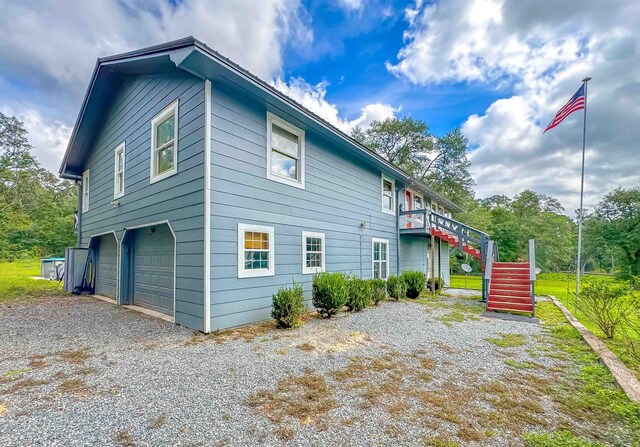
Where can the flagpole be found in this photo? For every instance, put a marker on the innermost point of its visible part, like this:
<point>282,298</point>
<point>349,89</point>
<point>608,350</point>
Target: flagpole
<point>580,211</point>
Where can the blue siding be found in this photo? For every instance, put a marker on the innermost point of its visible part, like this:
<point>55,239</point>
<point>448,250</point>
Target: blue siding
<point>339,195</point>
<point>414,252</point>
<point>178,199</point>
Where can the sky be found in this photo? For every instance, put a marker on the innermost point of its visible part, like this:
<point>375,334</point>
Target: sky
<point>498,69</point>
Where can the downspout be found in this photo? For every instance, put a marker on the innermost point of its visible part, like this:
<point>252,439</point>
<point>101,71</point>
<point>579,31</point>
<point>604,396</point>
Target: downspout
<point>397,232</point>
<point>79,229</point>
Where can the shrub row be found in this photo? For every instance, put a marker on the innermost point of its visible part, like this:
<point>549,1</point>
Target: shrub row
<point>333,291</point>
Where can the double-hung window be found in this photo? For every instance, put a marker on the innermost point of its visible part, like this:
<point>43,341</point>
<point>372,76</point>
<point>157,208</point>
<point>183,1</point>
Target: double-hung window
<point>388,195</point>
<point>312,252</point>
<point>255,251</point>
<point>118,172</point>
<point>85,191</point>
<point>285,152</point>
<point>164,143</point>
<point>380,258</point>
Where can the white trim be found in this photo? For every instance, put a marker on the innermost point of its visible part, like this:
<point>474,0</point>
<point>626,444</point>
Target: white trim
<point>118,245</point>
<point>375,240</point>
<point>207,206</point>
<point>170,109</point>
<point>392,211</point>
<point>310,270</point>
<point>86,188</point>
<point>244,273</point>
<point>175,252</point>
<point>274,119</point>
<point>120,148</point>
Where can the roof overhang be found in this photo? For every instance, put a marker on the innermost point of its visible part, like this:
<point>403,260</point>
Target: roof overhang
<point>195,57</point>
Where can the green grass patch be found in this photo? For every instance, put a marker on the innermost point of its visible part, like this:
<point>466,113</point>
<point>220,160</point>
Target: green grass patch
<point>507,340</point>
<point>588,391</point>
<point>562,438</point>
<point>520,365</point>
<point>16,282</point>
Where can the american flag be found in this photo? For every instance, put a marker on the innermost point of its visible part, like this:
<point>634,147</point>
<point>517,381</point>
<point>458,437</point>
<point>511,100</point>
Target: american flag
<point>575,103</point>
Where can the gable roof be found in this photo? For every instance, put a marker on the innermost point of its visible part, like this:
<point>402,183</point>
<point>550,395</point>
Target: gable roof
<point>198,59</point>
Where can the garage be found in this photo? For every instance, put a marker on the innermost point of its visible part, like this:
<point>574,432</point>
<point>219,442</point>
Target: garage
<point>106,264</point>
<point>152,279</point>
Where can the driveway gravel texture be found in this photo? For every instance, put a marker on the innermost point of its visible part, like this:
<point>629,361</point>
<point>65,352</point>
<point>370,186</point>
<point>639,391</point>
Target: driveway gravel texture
<point>76,371</point>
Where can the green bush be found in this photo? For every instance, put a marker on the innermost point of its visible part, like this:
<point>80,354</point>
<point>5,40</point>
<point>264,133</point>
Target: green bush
<point>414,280</point>
<point>359,294</point>
<point>437,283</point>
<point>330,292</point>
<point>605,304</point>
<point>378,290</point>
<point>396,287</point>
<point>288,306</point>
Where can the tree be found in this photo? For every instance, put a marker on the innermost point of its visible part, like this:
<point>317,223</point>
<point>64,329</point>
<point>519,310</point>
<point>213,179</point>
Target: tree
<point>441,163</point>
<point>616,222</point>
<point>36,208</point>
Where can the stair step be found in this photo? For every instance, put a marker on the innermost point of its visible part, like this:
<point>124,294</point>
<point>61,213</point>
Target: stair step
<point>511,285</point>
<point>512,264</point>
<point>513,293</point>
<point>524,301</point>
<point>505,309</point>
<point>493,303</point>
<point>502,297</point>
<point>500,275</point>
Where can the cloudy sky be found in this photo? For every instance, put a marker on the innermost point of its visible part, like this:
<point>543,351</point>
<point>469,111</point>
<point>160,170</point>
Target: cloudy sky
<point>499,69</point>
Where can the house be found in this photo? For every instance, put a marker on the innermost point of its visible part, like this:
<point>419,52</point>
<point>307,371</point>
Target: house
<point>202,189</point>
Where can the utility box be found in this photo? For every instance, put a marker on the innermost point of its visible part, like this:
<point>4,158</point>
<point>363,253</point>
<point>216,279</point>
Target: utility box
<point>52,268</point>
<point>75,262</point>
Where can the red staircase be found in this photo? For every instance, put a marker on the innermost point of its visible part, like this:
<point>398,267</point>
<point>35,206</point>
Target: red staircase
<point>510,289</point>
<point>453,240</point>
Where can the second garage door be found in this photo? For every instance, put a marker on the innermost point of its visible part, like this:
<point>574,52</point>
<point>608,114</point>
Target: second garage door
<point>106,253</point>
<point>153,268</point>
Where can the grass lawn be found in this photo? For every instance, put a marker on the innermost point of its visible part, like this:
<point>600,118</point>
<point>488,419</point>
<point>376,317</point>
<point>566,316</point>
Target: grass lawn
<point>562,286</point>
<point>16,282</point>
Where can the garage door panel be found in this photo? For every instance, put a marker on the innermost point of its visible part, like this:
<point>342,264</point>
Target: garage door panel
<point>106,250</point>
<point>153,269</point>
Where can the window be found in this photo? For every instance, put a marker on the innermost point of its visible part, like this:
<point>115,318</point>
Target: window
<point>255,251</point>
<point>388,195</point>
<point>380,259</point>
<point>118,172</point>
<point>312,252</point>
<point>285,152</point>
<point>164,143</point>
<point>418,204</point>
<point>85,191</point>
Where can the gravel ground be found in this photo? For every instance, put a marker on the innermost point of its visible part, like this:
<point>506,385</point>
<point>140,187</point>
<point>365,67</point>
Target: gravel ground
<point>78,371</point>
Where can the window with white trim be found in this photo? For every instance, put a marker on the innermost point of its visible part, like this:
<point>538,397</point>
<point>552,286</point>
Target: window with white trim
<point>388,195</point>
<point>118,172</point>
<point>164,143</point>
<point>418,204</point>
<point>380,258</point>
<point>312,252</point>
<point>285,152</point>
<point>85,191</point>
<point>255,251</point>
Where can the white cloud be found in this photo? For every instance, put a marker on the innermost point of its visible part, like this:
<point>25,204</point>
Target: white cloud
<point>351,5</point>
<point>540,51</point>
<point>49,49</point>
<point>313,98</point>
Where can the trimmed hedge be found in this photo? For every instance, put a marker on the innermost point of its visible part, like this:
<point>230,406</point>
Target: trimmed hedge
<point>396,287</point>
<point>415,281</point>
<point>378,290</point>
<point>359,294</point>
<point>288,306</point>
<point>330,292</point>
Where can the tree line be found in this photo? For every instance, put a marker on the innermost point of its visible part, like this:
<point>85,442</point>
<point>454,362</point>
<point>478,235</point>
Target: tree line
<point>37,208</point>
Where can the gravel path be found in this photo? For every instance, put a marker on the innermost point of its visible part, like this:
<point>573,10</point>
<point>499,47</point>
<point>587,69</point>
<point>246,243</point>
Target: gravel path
<point>78,371</point>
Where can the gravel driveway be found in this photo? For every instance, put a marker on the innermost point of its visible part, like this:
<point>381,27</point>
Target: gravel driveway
<point>78,371</point>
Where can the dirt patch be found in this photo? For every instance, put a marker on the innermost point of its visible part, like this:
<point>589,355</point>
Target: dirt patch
<point>73,386</point>
<point>74,356</point>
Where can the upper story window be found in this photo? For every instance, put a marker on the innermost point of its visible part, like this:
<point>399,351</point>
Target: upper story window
<point>164,143</point>
<point>312,252</point>
<point>118,172</point>
<point>380,258</point>
<point>85,191</point>
<point>255,251</point>
<point>285,152</point>
<point>388,195</point>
